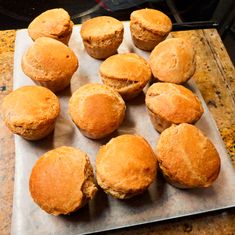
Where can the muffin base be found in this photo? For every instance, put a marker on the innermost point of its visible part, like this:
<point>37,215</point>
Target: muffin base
<point>66,36</point>
<point>102,49</point>
<point>159,123</point>
<point>127,89</point>
<point>101,52</point>
<point>145,39</point>
<point>54,86</point>
<point>185,185</point>
<point>119,194</point>
<point>146,45</point>
<point>32,134</point>
<point>94,136</point>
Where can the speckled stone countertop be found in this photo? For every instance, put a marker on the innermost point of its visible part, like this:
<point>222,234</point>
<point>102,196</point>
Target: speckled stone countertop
<point>214,77</point>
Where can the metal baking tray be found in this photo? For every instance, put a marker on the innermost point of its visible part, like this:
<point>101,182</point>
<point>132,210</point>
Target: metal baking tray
<point>160,202</point>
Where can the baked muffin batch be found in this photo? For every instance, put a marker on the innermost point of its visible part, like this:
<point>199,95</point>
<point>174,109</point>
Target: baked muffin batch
<point>62,180</point>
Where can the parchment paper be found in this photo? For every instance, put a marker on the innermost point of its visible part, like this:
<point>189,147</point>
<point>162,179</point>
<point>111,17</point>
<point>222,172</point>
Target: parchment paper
<point>160,202</point>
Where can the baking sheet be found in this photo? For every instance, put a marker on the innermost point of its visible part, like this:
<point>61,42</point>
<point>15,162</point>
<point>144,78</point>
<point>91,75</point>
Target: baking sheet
<point>160,202</point>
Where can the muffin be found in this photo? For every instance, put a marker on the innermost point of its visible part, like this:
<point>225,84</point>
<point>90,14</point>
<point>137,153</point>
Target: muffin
<point>173,60</point>
<point>187,158</point>
<point>50,63</point>
<point>62,181</point>
<point>127,73</point>
<point>102,36</point>
<point>54,23</point>
<point>149,27</point>
<point>169,104</point>
<point>30,112</point>
<point>125,166</point>
<point>97,110</point>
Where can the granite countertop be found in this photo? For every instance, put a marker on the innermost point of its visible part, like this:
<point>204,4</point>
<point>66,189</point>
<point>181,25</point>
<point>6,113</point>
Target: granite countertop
<point>215,79</point>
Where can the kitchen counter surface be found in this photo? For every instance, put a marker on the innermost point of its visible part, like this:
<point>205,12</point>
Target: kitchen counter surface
<point>214,77</point>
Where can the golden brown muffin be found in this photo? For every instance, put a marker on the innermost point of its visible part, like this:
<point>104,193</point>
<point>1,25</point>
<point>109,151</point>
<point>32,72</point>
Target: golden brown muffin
<point>127,73</point>
<point>125,166</point>
<point>102,36</point>
<point>173,60</point>
<point>30,112</point>
<point>97,110</point>
<point>50,63</point>
<point>169,104</point>
<point>54,23</point>
<point>149,27</point>
<point>62,181</point>
<point>187,158</point>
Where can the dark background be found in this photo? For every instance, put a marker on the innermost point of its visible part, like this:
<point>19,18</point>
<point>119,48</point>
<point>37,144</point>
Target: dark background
<point>16,14</point>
